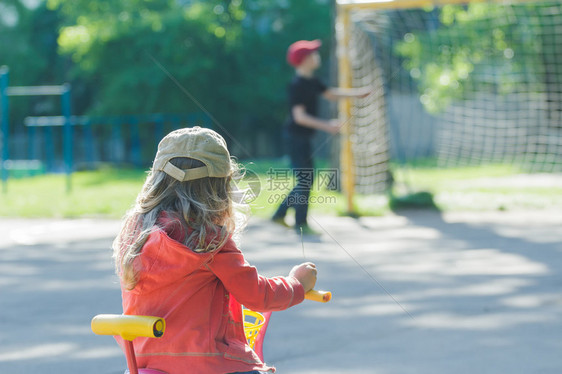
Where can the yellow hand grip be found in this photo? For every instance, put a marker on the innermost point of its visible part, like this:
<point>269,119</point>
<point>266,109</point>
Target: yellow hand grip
<point>128,327</point>
<point>320,296</point>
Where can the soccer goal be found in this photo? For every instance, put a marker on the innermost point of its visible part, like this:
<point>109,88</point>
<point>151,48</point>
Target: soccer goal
<point>456,82</point>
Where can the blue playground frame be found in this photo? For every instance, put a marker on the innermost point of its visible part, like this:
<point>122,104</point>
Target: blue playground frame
<point>5,92</point>
<point>121,141</point>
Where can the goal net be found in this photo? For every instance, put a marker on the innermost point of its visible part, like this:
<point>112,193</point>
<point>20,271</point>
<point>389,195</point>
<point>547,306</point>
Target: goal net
<point>457,84</point>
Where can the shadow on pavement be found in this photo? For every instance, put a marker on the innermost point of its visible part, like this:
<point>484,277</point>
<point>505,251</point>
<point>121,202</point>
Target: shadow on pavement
<point>420,292</point>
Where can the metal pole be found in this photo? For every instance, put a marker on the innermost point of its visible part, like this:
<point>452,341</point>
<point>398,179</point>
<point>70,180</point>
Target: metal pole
<point>31,146</point>
<point>68,141</point>
<point>4,126</point>
<point>49,148</point>
<point>344,81</point>
<point>89,139</point>
<point>117,143</point>
<point>136,155</point>
<point>130,355</point>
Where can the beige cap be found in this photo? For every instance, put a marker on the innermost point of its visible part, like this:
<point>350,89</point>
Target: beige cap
<point>198,143</point>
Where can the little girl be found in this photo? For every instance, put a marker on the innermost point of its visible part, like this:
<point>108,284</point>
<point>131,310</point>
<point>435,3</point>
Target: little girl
<point>176,258</point>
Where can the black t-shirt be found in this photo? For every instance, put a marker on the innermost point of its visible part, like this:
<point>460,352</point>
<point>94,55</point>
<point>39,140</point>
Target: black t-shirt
<point>304,91</point>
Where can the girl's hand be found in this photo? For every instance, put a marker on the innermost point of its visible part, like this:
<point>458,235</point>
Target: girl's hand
<point>306,274</point>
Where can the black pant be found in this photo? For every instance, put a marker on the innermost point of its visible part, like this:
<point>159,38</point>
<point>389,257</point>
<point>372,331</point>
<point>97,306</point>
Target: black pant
<point>300,152</point>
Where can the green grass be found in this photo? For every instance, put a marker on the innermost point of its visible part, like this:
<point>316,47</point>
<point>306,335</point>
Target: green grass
<point>480,188</point>
<point>108,193</point>
<point>104,193</point>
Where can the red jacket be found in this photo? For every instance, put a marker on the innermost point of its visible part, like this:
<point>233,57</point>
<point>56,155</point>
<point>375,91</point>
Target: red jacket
<point>199,296</point>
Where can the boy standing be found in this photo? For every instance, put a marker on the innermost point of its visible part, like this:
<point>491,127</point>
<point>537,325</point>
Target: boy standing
<point>304,91</point>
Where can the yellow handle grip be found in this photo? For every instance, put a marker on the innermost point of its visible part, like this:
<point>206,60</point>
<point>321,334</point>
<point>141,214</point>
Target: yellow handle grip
<point>320,296</point>
<point>128,327</point>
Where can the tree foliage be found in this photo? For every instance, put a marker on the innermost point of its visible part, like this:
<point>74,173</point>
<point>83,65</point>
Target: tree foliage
<point>150,56</point>
<point>28,43</point>
<point>483,46</point>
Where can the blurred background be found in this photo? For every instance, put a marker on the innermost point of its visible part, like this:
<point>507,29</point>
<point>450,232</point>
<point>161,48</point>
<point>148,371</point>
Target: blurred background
<point>465,111</point>
<point>119,58</point>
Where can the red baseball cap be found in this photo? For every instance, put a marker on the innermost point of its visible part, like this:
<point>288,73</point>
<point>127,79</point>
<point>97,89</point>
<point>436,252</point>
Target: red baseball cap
<point>298,51</point>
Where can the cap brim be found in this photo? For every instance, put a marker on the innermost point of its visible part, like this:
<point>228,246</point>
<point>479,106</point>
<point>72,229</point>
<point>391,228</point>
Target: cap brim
<point>315,44</point>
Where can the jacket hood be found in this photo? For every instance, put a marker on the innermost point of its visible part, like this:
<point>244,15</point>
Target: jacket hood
<point>164,261</point>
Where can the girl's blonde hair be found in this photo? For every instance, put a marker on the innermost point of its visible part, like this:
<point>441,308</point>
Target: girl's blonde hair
<point>203,205</point>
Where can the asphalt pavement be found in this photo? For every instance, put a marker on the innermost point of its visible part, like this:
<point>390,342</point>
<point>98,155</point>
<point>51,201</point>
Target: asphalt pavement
<point>416,292</point>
